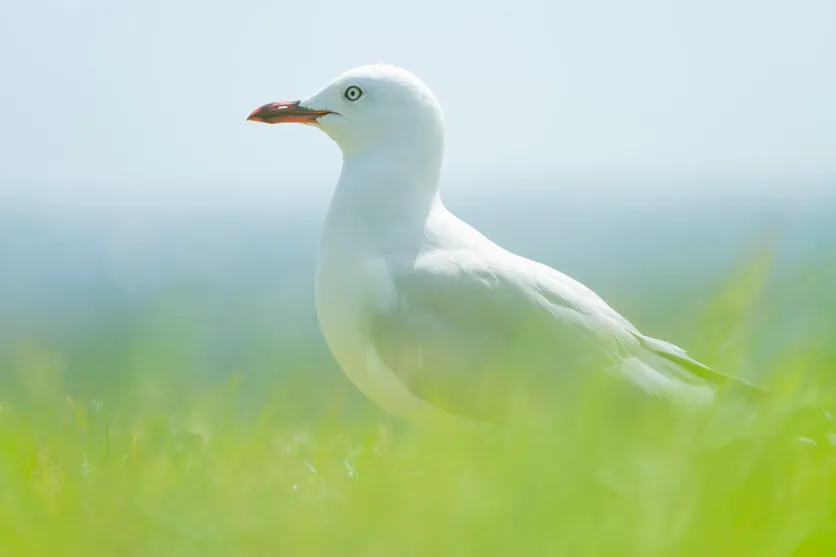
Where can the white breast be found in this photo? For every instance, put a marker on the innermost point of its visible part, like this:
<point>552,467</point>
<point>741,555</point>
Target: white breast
<point>348,287</point>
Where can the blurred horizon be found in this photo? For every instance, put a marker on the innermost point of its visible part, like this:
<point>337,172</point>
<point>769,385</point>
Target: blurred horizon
<point>235,283</point>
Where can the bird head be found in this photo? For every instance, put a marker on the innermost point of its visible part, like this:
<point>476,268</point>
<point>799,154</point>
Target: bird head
<point>367,108</point>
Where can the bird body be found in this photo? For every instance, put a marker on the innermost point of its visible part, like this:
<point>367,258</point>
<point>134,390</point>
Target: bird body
<point>427,316</point>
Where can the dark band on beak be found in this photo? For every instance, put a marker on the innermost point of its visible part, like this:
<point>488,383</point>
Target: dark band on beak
<point>277,113</point>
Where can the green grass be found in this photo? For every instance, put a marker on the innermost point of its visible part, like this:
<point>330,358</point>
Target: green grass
<point>159,464</point>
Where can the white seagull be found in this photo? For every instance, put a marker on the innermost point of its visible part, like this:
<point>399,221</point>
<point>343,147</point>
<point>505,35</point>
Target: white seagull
<point>427,316</point>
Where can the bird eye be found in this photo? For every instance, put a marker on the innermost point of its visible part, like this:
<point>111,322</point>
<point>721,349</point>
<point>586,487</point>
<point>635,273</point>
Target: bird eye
<point>353,93</point>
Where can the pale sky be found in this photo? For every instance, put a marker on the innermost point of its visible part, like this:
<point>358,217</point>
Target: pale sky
<point>148,100</point>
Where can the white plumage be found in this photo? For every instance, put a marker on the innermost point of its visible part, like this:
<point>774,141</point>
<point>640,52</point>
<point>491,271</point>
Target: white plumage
<point>423,313</point>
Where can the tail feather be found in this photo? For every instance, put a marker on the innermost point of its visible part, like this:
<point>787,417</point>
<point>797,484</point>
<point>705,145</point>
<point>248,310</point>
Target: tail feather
<point>678,356</point>
<point>819,424</point>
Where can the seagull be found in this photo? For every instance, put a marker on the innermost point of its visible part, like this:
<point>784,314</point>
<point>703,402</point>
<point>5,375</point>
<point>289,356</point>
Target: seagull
<point>428,317</point>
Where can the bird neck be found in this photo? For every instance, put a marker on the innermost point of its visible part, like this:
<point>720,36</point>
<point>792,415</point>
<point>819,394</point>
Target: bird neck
<point>383,193</point>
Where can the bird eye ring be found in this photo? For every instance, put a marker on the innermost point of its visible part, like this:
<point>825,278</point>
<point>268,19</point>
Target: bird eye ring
<point>353,93</point>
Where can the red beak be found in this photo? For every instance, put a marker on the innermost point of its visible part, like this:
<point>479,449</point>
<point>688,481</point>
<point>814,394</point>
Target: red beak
<point>277,113</point>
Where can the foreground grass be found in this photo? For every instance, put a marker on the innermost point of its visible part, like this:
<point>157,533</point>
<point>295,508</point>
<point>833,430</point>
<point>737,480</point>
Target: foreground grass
<point>81,478</point>
<point>164,468</point>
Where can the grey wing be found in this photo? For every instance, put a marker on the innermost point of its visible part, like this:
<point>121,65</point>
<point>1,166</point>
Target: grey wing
<point>468,336</point>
